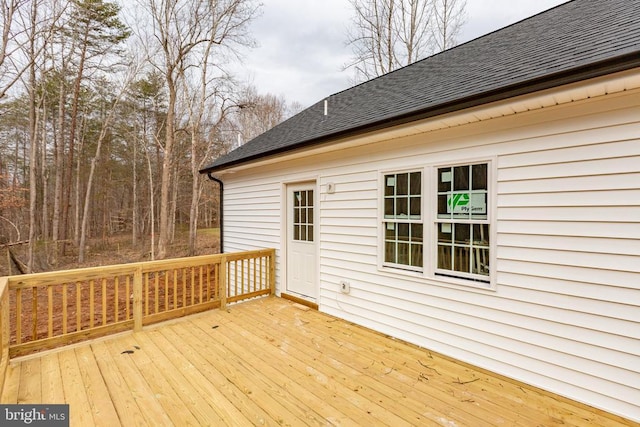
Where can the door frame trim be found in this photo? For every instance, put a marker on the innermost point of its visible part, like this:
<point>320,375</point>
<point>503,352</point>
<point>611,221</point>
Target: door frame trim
<point>284,226</point>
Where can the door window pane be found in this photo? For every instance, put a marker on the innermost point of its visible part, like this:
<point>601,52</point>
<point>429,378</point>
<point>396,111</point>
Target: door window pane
<point>303,215</point>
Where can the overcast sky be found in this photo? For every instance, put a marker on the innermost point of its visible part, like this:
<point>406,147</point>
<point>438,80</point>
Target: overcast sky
<point>302,43</point>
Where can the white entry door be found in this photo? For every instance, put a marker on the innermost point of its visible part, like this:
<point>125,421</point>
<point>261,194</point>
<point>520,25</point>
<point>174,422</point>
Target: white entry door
<point>301,241</point>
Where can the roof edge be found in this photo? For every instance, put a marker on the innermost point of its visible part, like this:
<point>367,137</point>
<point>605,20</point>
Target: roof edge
<point>572,75</point>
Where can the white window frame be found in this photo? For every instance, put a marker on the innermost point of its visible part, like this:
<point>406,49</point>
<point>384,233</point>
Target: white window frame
<point>470,278</point>
<point>384,221</point>
<point>429,219</point>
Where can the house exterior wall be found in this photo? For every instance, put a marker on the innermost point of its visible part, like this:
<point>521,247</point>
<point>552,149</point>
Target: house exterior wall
<point>563,309</point>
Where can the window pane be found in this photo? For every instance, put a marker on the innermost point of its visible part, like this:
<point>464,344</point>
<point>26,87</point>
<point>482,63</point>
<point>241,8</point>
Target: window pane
<point>481,234</point>
<point>443,211</point>
<point>416,183</point>
<point>296,232</point>
<point>402,185</point>
<point>444,257</point>
<point>388,208</point>
<point>479,176</point>
<point>390,252</point>
<point>390,231</point>
<point>389,185</point>
<point>480,262</point>
<point>403,232</point>
<point>444,233</point>
<point>478,202</point>
<point>459,204</point>
<point>303,216</point>
<point>461,258</point>
<point>415,206</point>
<point>296,198</point>
<point>444,179</point>
<point>403,254</point>
<point>310,198</point>
<point>310,216</point>
<point>416,232</point>
<point>296,215</point>
<point>462,233</point>
<point>416,255</point>
<point>461,178</point>
<point>310,233</point>
<point>402,207</point>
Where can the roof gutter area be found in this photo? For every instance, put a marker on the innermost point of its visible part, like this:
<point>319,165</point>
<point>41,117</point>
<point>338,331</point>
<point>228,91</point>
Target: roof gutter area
<point>610,66</point>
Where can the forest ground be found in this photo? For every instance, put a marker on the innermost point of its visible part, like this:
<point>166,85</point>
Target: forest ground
<point>110,250</point>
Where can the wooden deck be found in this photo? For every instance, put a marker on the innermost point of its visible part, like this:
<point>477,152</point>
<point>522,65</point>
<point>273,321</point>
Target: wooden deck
<point>274,362</point>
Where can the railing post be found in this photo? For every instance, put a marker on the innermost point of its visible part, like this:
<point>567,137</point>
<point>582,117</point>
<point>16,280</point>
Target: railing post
<point>4,329</point>
<point>137,299</point>
<point>272,271</point>
<point>223,282</point>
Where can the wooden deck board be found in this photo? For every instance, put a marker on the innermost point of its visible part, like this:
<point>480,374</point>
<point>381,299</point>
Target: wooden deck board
<point>269,362</point>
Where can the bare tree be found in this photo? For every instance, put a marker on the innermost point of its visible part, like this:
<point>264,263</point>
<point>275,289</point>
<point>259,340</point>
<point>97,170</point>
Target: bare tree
<point>389,34</point>
<point>373,38</point>
<point>11,42</point>
<point>181,30</point>
<point>257,113</point>
<point>448,18</point>
<point>111,110</point>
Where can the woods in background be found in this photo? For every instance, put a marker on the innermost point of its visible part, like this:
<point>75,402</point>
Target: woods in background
<point>106,116</point>
<point>108,110</point>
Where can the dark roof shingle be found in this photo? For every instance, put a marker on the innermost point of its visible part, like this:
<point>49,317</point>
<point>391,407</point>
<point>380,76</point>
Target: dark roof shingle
<point>571,42</point>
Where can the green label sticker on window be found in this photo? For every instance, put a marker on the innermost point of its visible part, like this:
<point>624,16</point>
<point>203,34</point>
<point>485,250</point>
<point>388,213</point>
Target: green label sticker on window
<point>464,203</point>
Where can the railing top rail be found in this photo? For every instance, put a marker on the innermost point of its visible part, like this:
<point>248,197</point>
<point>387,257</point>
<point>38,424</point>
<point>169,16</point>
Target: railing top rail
<point>4,285</point>
<point>89,273</point>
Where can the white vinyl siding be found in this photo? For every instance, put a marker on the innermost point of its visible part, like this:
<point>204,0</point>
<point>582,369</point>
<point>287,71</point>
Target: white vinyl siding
<point>563,314</point>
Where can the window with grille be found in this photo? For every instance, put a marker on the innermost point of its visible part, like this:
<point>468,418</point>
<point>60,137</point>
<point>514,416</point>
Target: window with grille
<point>403,221</point>
<point>462,222</point>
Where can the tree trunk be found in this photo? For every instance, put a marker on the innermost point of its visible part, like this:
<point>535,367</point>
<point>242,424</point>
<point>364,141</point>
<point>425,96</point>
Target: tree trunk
<point>152,208</point>
<point>195,197</point>
<point>75,100</point>
<point>33,137</point>
<point>134,209</point>
<point>59,167</point>
<point>167,169</point>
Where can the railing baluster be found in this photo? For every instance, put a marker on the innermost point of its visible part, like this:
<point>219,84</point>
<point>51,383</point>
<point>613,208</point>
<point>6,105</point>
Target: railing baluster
<point>146,294</point>
<point>19,316</point>
<point>166,291</point>
<point>128,298</point>
<point>104,301</point>
<point>184,287</point>
<point>193,285</point>
<point>137,300</point>
<point>78,306</point>
<point>65,314</point>
<point>92,303</point>
<point>34,313</point>
<point>116,298</point>
<point>50,311</point>
<point>156,296</point>
<point>200,279</point>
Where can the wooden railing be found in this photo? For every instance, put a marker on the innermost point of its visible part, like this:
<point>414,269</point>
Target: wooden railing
<point>46,310</point>
<point>4,329</point>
